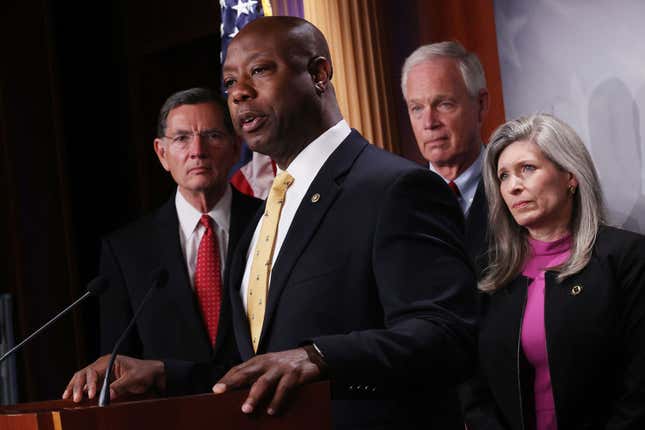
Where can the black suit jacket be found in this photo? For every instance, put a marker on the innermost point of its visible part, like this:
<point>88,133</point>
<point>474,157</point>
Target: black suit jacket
<point>595,340</point>
<point>477,229</point>
<point>376,274</point>
<point>170,327</point>
<point>477,413</point>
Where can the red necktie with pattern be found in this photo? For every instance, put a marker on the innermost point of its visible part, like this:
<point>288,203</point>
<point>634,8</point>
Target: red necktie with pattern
<point>208,284</point>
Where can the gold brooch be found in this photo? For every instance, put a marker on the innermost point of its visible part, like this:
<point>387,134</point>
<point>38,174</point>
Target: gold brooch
<point>576,289</point>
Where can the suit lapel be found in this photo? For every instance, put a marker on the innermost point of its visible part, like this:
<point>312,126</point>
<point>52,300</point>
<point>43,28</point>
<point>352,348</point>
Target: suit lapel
<point>308,217</point>
<point>477,229</point>
<point>233,285</point>
<point>477,214</point>
<point>243,209</point>
<point>178,287</point>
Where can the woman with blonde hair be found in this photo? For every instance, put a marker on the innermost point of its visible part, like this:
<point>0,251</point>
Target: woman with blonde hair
<point>562,341</point>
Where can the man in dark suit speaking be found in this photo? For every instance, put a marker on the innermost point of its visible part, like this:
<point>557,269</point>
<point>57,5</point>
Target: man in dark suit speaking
<point>356,269</point>
<point>192,237</point>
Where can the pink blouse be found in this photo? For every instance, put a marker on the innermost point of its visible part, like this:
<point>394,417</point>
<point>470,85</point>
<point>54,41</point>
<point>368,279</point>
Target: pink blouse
<point>544,255</point>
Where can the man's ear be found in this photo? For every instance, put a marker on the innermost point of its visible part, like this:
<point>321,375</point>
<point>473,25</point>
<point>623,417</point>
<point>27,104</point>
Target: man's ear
<point>321,71</point>
<point>161,151</point>
<point>483,102</point>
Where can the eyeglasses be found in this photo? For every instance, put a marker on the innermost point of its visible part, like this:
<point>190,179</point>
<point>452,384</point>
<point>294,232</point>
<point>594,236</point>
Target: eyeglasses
<point>212,137</point>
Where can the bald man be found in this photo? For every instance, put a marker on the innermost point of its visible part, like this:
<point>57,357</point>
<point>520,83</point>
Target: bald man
<point>356,271</point>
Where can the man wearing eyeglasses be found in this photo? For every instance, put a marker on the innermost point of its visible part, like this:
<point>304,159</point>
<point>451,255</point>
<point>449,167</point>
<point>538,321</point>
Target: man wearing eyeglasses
<point>192,237</point>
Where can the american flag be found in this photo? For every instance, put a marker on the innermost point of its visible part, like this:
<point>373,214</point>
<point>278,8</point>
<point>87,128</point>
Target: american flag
<point>254,173</point>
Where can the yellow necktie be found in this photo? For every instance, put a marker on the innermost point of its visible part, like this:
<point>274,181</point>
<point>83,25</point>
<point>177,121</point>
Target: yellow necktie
<point>263,256</point>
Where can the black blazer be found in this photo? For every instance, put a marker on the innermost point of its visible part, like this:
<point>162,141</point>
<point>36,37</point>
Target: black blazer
<point>376,274</point>
<point>595,341</point>
<point>170,326</point>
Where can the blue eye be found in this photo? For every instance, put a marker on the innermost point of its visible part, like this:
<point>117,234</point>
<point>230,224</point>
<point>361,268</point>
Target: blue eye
<point>528,168</point>
<point>502,176</point>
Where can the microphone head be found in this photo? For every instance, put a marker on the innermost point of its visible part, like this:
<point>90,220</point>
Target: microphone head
<point>98,285</point>
<point>159,277</point>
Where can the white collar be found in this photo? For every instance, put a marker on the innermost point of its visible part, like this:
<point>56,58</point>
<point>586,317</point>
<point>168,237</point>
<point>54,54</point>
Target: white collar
<point>308,162</point>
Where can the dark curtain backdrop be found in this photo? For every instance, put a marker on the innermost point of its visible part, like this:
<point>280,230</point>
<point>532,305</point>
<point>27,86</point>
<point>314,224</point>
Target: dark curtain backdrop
<point>80,87</point>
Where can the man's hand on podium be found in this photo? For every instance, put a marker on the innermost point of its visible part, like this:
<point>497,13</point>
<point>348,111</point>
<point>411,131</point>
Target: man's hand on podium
<point>274,374</point>
<point>130,376</point>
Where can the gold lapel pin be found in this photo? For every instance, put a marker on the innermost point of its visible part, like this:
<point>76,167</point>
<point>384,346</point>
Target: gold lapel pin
<point>576,289</point>
<point>315,198</point>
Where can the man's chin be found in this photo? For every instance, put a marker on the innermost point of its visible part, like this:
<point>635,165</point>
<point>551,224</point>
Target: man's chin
<point>439,155</point>
<point>258,144</point>
<point>438,161</point>
<point>201,184</point>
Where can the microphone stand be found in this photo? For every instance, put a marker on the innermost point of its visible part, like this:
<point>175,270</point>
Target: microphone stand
<point>95,287</point>
<point>160,276</point>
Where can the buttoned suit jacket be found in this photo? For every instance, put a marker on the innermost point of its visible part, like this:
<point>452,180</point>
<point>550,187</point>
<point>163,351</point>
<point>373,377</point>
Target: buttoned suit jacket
<point>374,271</point>
<point>170,327</point>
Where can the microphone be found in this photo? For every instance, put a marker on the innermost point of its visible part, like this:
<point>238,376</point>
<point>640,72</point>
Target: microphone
<point>159,279</point>
<point>94,288</point>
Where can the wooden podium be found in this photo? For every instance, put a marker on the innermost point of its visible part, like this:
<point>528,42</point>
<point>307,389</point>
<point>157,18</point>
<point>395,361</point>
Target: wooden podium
<point>309,409</point>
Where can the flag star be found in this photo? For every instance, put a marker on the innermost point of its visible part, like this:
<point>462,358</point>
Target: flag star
<point>234,32</point>
<point>244,7</point>
<point>222,4</point>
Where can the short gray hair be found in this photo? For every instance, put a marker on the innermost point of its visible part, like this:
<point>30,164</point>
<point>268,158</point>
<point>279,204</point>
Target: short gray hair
<point>192,96</point>
<point>509,246</point>
<point>471,68</point>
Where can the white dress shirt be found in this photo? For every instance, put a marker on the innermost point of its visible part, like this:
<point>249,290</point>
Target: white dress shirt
<point>191,230</point>
<point>467,182</point>
<point>304,169</point>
